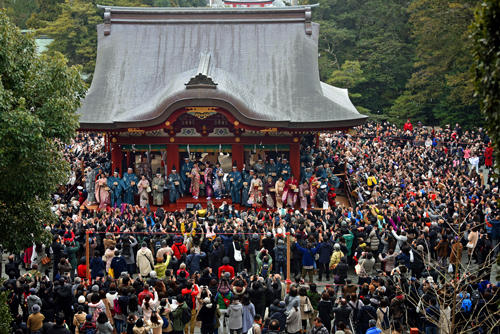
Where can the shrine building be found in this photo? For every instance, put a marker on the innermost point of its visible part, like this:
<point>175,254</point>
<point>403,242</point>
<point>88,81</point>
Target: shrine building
<point>224,81</point>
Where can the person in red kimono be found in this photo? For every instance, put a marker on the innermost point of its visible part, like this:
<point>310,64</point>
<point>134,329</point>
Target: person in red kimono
<point>290,192</point>
<point>488,156</point>
<point>331,198</point>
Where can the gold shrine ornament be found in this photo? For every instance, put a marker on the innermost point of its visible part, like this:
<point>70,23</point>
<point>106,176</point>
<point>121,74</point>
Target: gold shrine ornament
<point>202,112</point>
<point>114,140</point>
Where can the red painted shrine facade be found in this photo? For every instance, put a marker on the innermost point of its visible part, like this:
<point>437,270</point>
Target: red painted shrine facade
<point>239,82</point>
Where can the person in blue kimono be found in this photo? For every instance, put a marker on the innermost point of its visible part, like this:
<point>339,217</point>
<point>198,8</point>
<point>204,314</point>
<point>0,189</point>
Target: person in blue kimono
<point>185,172</point>
<point>115,186</point>
<point>247,179</point>
<point>285,169</point>
<point>130,181</point>
<point>321,173</point>
<point>272,170</point>
<point>235,183</point>
<point>306,176</point>
<point>175,186</point>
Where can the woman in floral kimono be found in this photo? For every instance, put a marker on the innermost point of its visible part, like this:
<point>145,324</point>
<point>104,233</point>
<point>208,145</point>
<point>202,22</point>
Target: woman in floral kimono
<point>269,191</point>
<point>314,184</point>
<point>102,191</point>
<point>279,187</point>
<point>143,191</point>
<point>290,192</point>
<point>195,181</point>
<point>304,194</point>
<point>208,180</point>
<point>255,192</point>
<point>218,184</point>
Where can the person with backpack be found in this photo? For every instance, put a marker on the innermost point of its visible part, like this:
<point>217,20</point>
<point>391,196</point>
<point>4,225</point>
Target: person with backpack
<point>397,306</point>
<point>264,265</point>
<point>280,258</point>
<point>431,314</point>
<point>325,252</point>
<point>164,312</point>
<point>343,313</point>
<point>308,258</point>
<point>88,326</point>
<point>383,317</point>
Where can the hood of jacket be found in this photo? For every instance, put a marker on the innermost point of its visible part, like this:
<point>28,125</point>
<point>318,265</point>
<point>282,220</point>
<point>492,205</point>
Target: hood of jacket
<point>143,251</point>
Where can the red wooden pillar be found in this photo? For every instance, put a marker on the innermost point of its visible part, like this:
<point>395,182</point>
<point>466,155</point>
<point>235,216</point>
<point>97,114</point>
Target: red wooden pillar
<point>237,153</point>
<point>172,158</point>
<point>116,157</point>
<point>130,158</point>
<point>295,160</point>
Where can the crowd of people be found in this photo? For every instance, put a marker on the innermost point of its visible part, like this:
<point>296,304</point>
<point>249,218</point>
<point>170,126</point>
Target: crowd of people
<point>423,210</point>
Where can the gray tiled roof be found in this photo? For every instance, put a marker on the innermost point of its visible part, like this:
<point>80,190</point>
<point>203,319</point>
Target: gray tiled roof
<point>264,62</point>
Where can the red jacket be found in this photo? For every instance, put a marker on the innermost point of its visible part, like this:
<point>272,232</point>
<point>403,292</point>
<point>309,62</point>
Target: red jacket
<point>179,248</point>
<point>81,271</point>
<point>143,295</point>
<point>194,292</point>
<point>408,127</point>
<point>227,268</point>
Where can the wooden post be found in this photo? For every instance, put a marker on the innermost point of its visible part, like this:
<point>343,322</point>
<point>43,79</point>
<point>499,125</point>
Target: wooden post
<point>87,253</point>
<point>116,157</point>
<point>288,281</point>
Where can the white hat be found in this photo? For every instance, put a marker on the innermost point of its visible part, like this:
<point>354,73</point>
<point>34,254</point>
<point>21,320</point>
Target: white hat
<point>323,186</point>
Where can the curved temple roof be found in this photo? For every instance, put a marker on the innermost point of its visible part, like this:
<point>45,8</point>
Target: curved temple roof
<point>259,63</point>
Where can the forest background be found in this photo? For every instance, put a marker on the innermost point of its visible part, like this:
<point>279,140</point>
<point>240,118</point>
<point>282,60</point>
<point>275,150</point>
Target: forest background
<point>400,59</point>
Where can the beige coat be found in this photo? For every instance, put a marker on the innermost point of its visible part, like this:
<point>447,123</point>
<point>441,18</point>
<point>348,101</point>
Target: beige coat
<point>156,328</point>
<point>303,315</point>
<point>78,320</point>
<point>145,261</point>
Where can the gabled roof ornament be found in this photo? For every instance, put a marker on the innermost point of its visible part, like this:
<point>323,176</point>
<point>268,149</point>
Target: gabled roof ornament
<point>202,79</point>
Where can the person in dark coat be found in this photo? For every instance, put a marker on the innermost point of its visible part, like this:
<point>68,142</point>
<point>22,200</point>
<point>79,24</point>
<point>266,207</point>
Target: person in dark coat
<point>325,309</point>
<point>343,313</point>
<point>215,258</point>
<point>255,292</point>
<point>48,308</point>
<point>365,314</point>
<point>118,264</point>
<point>325,252</point>
<point>57,252</point>
<point>418,262</point>
<point>342,270</point>
<point>277,311</point>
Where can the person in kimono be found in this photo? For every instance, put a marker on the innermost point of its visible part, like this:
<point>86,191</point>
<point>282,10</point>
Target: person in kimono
<point>142,186</point>
<point>102,190</point>
<point>290,191</point>
<point>208,180</point>
<point>145,169</point>
<point>115,186</point>
<point>314,184</point>
<point>272,169</point>
<point>185,174</point>
<point>279,188</point>
<point>157,188</point>
<point>304,194</point>
<point>218,184</point>
<point>255,191</point>
<point>285,169</point>
<point>269,192</point>
<point>90,184</point>
<point>195,181</point>
<point>322,196</point>
<point>247,179</point>
<point>175,186</point>
<point>130,181</point>
<point>235,183</point>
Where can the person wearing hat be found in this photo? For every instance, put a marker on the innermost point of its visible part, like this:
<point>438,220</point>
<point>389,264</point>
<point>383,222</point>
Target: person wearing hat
<point>157,187</point>
<point>130,181</point>
<point>116,188</point>
<point>186,168</point>
<point>260,168</point>
<point>35,319</point>
<point>321,196</point>
<point>175,186</point>
<point>235,183</point>
<point>143,186</point>
<point>272,169</point>
<point>284,169</point>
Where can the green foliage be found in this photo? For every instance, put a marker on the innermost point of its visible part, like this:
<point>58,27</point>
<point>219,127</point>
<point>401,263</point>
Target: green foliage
<point>20,11</point>
<point>38,99</point>
<point>5,315</point>
<point>485,33</point>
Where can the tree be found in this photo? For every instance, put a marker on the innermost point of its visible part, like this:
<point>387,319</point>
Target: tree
<point>441,83</point>
<point>39,95</point>
<point>5,315</point>
<point>485,35</point>
<point>349,76</point>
